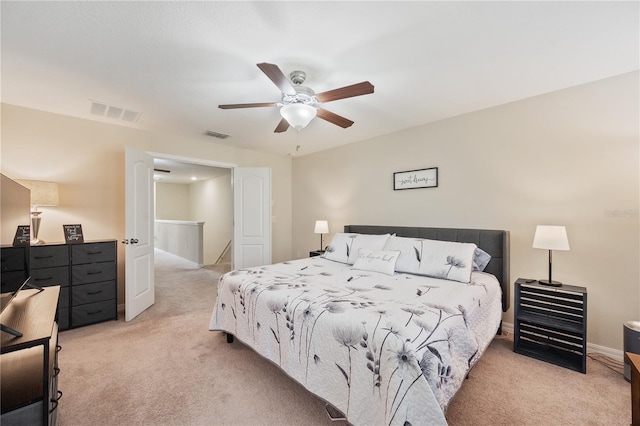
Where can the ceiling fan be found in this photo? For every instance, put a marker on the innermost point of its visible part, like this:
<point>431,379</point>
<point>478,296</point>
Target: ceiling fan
<point>299,103</point>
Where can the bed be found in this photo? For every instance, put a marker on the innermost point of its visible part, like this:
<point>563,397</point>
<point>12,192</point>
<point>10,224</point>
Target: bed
<point>381,344</point>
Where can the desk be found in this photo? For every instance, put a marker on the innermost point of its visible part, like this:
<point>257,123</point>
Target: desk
<point>28,382</point>
<point>634,362</point>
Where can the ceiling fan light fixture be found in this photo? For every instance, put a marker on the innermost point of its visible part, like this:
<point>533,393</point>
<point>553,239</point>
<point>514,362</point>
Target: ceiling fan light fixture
<point>298,115</point>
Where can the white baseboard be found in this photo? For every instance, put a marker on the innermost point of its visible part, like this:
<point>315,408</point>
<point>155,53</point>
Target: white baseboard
<point>616,354</point>
<point>591,347</point>
<point>507,327</point>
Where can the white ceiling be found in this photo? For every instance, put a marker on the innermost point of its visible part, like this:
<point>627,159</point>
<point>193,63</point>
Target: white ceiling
<point>176,61</point>
<point>176,171</point>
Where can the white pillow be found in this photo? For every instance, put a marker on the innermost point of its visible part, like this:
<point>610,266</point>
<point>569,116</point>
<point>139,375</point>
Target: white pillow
<point>376,260</point>
<point>446,259</point>
<point>408,260</point>
<point>344,247</point>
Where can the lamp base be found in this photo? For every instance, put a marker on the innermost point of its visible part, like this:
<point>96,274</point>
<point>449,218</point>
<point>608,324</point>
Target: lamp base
<point>37,242</point>
<point>550,283</point>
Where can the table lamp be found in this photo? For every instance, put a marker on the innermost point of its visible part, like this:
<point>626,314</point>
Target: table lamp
<point>550,238</point>
<point>43,194</point>
<point>322,227</point>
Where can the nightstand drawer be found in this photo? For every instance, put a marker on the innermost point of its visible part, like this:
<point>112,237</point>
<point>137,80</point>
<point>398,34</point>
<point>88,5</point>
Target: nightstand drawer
<point>49,256</point>
<point>93,252</point>
<point>93,312</point>
<point>93,272</point>
<point>90,293</point>
<point>50,276</point>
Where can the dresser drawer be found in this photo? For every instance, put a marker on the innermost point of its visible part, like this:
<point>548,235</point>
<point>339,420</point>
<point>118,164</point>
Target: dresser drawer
<point>13,259</point>
<point>93,272</point>
<point>93,312</point>
<point>63,300</point>
<point>93,252</point>
<point>89,293</point>
<point>63,318</point>
<point>11,281</point>
<point>51,276</point>
<point>49,256</point>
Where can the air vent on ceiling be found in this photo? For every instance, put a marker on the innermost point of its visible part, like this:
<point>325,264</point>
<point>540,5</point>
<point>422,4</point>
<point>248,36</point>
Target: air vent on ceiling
<point>104,110</point>
<point>216,134</point>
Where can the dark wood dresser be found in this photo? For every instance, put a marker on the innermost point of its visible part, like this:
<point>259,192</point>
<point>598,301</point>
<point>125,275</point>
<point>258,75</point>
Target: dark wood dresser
<point>86,273</point>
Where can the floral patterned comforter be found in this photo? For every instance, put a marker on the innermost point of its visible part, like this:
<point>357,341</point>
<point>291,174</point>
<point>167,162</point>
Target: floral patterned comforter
<point>385,350</point>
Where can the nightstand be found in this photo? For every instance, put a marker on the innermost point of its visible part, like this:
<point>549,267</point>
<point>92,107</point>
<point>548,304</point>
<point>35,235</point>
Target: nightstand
<point>316,253</point>
<point>550,323</point>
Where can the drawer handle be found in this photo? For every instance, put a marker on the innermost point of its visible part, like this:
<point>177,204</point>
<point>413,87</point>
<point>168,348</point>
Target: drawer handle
<point>58,348</point>
<point>56,371</point>
<point>44,279</point>
<point>55,401</point>
<point>94,312</point>
<point>43,257</point>
<point>91,293</point>
<point>94,252</point>
<point>94,272</point>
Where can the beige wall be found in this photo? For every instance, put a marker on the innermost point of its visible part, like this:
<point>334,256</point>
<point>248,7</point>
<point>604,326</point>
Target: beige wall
<point>568,158</point>
<point>172,201</point>
<point>87,159</point>
<point>211,202</point>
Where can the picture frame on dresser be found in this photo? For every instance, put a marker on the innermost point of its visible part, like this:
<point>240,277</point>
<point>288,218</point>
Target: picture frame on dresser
<point>23,236</point>
<point>73,234</point>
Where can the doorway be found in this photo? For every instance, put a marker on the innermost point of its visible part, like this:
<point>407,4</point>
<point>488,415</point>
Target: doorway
<point>251,222</point>
<point>193,211</point>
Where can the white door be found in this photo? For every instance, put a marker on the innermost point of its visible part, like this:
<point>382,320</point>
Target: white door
<point>139,278</point>
<point>251,217</point>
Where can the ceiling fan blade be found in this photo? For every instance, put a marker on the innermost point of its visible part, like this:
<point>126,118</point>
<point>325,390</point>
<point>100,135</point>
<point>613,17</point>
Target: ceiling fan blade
<point>334,118</point>
<point>358,89</point>
<point>282,126</point>
<point>263,104</point>
<point>277,76</point>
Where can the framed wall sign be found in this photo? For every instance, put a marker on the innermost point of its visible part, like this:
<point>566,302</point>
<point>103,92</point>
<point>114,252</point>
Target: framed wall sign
<point>412,179</point>
<point>73,234</point>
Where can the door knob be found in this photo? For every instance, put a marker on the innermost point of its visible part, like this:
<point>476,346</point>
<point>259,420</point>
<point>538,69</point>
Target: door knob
<point>134,241</point>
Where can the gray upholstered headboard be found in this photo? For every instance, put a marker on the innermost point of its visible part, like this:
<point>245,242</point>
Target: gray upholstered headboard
<point>496,243</point>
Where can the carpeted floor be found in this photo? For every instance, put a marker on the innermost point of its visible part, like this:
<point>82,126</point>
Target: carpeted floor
<point>166,368</point>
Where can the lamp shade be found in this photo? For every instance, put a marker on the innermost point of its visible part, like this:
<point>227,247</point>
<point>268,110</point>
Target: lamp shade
<point>551,238</point>
<point>322,227</point>
<point>42,193</point>
<point>298,115</point>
